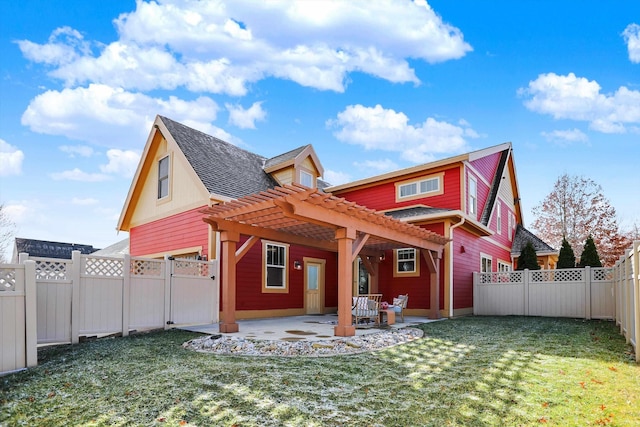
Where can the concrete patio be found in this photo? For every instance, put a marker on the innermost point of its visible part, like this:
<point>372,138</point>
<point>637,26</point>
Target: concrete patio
<point>297,328</point>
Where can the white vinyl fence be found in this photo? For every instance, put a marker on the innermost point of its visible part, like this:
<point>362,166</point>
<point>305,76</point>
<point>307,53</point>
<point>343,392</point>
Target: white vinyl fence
<point>92,296</point>
<point>588,293</point>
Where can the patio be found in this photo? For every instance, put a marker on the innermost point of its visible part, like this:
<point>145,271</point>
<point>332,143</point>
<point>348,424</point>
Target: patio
<point>298,328</point>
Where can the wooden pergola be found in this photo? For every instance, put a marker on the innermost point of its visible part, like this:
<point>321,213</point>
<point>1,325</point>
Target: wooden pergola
<point>302,216</point>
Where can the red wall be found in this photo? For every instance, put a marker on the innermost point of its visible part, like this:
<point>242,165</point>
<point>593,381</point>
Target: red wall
<point>183,230</point>
<point>383,197</point>
<point>487,165</point>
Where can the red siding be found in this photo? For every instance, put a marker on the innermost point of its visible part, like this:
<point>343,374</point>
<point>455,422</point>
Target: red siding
<point>487,165</point>
<point>418,288</point>
<point>383,197</point>
<point>183,230</point>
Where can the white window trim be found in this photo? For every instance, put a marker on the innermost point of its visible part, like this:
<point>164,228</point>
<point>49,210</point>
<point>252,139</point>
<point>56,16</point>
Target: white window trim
<point>285,274</point>
<point>439,178</point>
<point>168,178</point>
<point>311,178</point>
<point>504,266</point>
<point>416,263</point>
<point>472,199</point>
<point>488,258</point>
<point>499,217</point>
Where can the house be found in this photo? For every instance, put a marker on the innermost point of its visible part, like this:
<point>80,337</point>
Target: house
<point>47,249</point>
<point>116,250</point>
<point>547,256</point>
<point>287,244</point>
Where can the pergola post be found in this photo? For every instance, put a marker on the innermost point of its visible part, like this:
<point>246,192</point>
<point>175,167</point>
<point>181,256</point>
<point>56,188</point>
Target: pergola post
<point>229,239</point>
<point>433,263</point>
<point>345,238</point>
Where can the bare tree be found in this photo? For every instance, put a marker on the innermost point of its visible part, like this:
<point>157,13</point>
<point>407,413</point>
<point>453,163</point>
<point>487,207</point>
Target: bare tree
<point>575,209</point>
<point>7,229</point>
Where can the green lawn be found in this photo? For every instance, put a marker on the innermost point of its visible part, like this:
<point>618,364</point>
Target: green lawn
<point>486,371</point>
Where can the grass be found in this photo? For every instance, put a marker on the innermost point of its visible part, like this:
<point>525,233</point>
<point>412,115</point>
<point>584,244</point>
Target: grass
<point>484,371</point>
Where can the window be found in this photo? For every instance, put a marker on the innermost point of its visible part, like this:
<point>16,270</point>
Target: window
<point>423,187</point>
<point>499,217</point>
<point>163,177</point>
<point>503,266</point>
<point>485,263</point>
<point>275,267</point>
<point>472,209</point>
<point>406,262</point>
<point>306,179</point>
<point>512,225</point>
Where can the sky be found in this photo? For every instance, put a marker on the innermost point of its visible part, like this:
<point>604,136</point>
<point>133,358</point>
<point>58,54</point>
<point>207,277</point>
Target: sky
<point>374,85</point>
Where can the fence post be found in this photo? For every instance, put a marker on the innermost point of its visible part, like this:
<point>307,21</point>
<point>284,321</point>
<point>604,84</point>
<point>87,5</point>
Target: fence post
<point>525,283</point>
<point>636,292</point>
<point>22,257</point>
<point>475,293</point>
<point>31,313</point>
<point>126,294</point>
<point>167,291</point>
<point>628,306</point>
<point>75,296</point>
<point>587,292</point>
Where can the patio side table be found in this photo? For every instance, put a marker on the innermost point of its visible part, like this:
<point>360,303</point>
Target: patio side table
<point>391,316</point>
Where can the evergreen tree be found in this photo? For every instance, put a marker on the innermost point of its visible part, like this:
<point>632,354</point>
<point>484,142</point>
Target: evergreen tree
<point>528,258</point>
<point>590,255</point>
<point>567,258</point>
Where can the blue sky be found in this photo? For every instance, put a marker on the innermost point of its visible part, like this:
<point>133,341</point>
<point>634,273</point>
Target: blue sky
<point>374,86</point>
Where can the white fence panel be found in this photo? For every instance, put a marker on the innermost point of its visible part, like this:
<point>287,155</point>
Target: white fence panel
<point>146,294</point>
<point>101,287</point>
<point>603,304</point>
<point>500,294</point>
<point>194,294</point>
<point>557,300</point>
<point>54,294</point>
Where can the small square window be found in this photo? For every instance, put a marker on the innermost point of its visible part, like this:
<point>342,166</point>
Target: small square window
<point>406,262</point>
<point>306,179</point>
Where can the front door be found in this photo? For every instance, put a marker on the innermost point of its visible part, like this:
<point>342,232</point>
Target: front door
<point>314,285</point>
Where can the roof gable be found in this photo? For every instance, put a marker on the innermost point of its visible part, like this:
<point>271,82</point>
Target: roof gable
<point>294,158</point>
<point>522,236</point>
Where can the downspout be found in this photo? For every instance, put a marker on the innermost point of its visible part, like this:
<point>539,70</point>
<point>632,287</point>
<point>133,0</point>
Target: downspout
<point>451,256</point>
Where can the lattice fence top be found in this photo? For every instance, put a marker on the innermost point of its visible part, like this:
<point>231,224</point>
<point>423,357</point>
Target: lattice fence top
<point>7,279</point>
<point>187,267</point>
<point>109,267</point>
<point>51,270</point>
<point>503,277</point>
<point>146,267</point>
<point>601,274</point>
<point>561,275</point>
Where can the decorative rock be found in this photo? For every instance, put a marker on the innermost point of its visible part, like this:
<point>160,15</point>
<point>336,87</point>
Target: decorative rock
<point>224,344</point>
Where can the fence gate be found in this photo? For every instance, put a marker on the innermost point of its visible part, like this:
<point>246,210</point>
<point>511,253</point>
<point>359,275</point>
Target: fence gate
<point>194,292</point>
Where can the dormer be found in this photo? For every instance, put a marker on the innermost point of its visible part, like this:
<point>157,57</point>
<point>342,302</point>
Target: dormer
<point>299,166</point>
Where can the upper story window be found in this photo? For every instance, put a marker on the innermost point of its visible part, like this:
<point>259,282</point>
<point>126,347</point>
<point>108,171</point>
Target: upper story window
<point>422,187</point>
<point>503,266</point>
<point>163,177</point>
<point>306,179</point>
<point>499,217</point>
<point>472,207</point>
<point>512,225</point>
<point>275,267</point>
<point>406,262</point>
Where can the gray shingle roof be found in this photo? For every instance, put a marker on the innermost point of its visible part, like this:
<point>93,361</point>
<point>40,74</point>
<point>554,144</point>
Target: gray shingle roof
<point>284,157</point>
<point>415,212</point>
<point>523,236</point>
<point>237,172</point>
<point>47,249</point>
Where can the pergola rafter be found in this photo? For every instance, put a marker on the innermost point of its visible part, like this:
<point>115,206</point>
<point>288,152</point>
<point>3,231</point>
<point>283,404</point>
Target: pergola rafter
<point>308,217</point>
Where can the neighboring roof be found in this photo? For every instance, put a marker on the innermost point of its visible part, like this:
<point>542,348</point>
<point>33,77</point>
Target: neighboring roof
<point>47,249</point>
<point>522,236</point>
<point>422,214</point>
<point>118,249</point>
<point>242,172</point>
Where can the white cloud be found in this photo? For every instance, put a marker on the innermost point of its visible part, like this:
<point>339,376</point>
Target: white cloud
<point>377,128</point>
<point>631,36</point>
<point>245,119</point>
<point>565,136</point>
<point>580,99</point>
<point>80,150</point>
<point>378,166</point>
<point>78,175</point>
<point>112,117</point>
<point>121,162</point>
<point>336,177</point>
<point>84,202</point>
<point>10,159</point>
<point>223,46</point>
